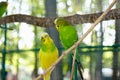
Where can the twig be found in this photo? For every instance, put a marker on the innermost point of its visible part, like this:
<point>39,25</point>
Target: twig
<point>73,64</point>
<point>39,77</point>
<point>81,39</point>
<point>97,21</point>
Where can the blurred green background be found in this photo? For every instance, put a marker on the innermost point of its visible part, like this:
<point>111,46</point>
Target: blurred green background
<point>99,51</point>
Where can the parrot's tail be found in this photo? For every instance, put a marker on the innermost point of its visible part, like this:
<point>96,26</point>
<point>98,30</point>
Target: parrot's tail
<point>80,69</point>
<point>47,76</point>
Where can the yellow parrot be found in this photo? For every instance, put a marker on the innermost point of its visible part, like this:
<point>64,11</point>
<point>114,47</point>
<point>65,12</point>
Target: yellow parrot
<point>48,53</point>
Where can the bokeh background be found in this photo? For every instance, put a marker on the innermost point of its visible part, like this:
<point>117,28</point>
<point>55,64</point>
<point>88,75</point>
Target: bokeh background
<point>20,43</point>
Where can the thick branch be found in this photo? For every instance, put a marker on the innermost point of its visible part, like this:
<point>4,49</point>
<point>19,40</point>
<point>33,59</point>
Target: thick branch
<point>46,22</point>
<point>27,19</point>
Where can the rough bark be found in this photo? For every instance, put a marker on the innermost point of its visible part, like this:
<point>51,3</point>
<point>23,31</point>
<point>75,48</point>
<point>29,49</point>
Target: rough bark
<point>48,22</point>
<point>50,8</point>
<point>115,53</point>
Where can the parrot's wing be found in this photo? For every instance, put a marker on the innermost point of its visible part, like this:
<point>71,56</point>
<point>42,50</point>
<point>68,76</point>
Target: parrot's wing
<point>80,69</point>
<point>79,64</point>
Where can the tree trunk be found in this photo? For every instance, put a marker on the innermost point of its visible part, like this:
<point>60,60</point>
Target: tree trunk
<point>35,70</point>
<point>98,68</point>
<point>115,53</point>
<point>94,41</point>
<point>50,9</point>
<point>98,71</point>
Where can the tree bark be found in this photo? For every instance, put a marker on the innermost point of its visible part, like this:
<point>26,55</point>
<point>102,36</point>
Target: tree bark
<point>115,53</point>
<point>48,22</point>
<point>50,8</point>
<point>98,71</point>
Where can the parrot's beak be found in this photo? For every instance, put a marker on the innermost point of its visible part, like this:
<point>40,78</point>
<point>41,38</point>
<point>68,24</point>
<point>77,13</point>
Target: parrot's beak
<point>54,21</point>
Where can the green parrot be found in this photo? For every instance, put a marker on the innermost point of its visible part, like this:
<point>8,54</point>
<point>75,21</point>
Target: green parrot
<point>3,8</point>
<point>68,36</point>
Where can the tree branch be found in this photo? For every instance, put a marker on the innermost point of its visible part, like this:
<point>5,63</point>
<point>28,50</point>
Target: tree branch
<point>73,64</point>
<point>47,22</point>
<point>80,40</point>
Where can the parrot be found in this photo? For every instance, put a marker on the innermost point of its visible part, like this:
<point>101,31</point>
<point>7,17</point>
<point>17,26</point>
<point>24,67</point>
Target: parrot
<point>48,53</point>
<point>68,36</point>
<point>3,8</point>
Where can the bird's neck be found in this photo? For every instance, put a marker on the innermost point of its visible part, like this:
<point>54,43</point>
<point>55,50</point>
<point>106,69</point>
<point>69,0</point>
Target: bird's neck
<point>49,47</point>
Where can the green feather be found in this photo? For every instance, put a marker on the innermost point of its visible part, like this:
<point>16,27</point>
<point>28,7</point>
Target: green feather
<point>67,31</point>
<point>68,36</point>
<point>3,8</point>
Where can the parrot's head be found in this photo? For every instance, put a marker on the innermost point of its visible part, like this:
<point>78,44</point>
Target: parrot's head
<point>45,39</point>
<point>3,4</point>
<point>60,22</point>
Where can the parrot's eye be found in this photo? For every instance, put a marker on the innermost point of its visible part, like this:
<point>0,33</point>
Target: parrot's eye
<point>58,26</point>
<point>42,39</point>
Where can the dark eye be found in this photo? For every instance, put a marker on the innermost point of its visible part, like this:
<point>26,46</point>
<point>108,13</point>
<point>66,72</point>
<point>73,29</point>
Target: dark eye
<point>42,39</point>
<point>58,26</point>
